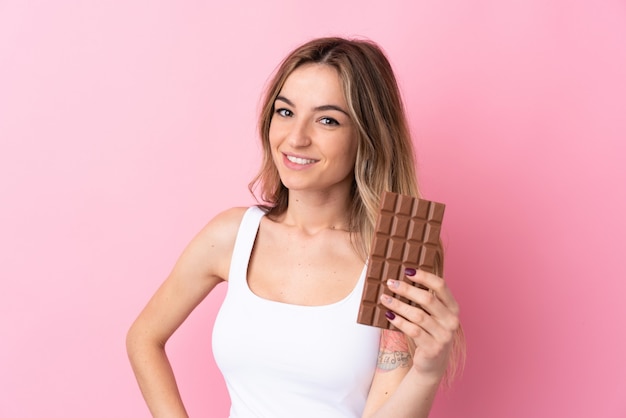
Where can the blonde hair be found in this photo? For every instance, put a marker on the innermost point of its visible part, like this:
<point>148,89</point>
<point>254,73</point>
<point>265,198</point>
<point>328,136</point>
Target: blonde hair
<point>385,156</point>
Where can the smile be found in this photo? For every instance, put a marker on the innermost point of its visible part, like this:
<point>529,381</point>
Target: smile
<point>301,161</point>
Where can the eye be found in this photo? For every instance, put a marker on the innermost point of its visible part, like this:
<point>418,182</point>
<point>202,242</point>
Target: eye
<point>329,121</point>
<point>284,112</point>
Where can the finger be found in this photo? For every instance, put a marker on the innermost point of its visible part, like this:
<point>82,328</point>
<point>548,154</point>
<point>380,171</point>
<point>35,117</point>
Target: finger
<point>413,317</point>
<point>426,300</point>
<point>436,284</point>
<point>427,335</point>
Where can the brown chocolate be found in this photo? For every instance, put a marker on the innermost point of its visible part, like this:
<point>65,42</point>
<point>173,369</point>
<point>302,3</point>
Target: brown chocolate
<point>406,236</point>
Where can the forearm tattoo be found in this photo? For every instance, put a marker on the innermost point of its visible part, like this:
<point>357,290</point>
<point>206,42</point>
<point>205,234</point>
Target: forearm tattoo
<point>394,351</point>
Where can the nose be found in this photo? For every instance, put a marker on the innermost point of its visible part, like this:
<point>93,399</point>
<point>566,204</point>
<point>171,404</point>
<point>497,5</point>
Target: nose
<point>299,134</point>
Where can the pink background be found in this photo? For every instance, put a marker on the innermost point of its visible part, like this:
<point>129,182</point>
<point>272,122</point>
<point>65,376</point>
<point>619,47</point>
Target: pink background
<point>126,125</point>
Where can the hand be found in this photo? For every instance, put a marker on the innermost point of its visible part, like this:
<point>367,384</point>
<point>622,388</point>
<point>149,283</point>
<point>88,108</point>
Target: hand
<point>432,324</point>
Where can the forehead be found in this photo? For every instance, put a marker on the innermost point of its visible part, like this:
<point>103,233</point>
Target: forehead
<point>314,81</point>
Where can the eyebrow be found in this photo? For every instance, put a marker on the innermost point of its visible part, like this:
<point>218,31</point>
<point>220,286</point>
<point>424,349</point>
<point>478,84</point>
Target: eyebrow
<point>318,108</point>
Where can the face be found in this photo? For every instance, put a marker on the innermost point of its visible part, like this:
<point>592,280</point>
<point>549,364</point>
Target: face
<point>312,137</point>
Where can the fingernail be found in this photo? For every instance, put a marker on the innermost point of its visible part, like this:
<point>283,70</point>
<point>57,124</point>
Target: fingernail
<point>385,298</point>
<point>410,271</point>
<point>390,315</point>
<point>393,284</point>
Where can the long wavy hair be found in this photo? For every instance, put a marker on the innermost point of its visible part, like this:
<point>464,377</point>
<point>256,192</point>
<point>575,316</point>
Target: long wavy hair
<point>385,157</point>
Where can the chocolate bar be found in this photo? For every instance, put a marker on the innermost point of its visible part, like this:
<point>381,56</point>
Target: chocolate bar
<point>406,236</point>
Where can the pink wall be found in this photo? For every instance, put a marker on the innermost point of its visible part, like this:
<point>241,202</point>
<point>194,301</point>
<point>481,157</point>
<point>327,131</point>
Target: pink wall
<point>125,125</point>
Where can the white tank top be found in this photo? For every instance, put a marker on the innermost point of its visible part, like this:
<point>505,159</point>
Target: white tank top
<point>284,361</point>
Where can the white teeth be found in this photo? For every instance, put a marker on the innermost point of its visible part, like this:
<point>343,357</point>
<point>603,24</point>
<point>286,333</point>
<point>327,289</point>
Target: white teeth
<point>299,160</point>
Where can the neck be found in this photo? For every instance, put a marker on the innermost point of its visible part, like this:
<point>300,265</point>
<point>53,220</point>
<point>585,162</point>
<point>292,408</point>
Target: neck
<point>313,212</point>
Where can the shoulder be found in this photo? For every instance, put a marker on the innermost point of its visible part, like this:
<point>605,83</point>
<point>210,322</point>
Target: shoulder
<point>227,220</point>
<point>209,252</point>
<point>221,231</point>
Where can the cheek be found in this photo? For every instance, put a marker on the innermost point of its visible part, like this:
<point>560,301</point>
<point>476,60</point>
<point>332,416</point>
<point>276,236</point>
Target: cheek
<point>273,144</point>
<point>274,135</point>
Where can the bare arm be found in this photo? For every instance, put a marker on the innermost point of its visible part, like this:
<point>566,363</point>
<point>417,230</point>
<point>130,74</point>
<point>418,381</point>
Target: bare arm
<point>407,387</point>
<point>202,265</point>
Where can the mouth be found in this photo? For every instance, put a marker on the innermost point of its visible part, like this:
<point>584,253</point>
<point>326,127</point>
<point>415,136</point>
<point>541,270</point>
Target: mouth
<point>299,161</point>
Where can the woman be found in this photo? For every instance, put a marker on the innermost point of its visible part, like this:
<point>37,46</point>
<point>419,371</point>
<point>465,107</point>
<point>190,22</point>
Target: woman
<point>335,137</point>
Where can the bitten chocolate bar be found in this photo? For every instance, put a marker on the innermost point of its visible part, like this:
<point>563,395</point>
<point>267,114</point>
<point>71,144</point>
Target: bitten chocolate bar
<point>406,235</point>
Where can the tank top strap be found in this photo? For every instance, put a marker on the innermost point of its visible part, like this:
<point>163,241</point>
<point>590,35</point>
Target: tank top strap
<point>243,244</point>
